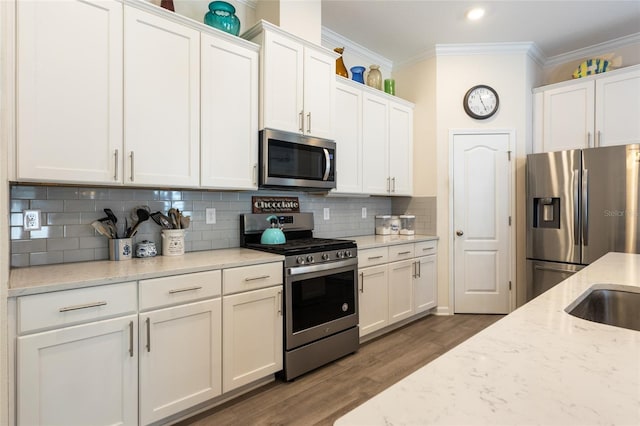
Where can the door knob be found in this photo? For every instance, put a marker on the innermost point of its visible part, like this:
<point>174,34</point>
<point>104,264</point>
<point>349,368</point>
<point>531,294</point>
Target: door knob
<point>459,233</point>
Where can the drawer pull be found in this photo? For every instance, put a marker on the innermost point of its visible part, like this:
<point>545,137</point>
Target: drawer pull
<point>428,248</point>
<point>180,290</point>
<point>261,277</point>
<point>131,338</point>
<point>374,257</point>
<point>85,306</point>
<point>403,252</point>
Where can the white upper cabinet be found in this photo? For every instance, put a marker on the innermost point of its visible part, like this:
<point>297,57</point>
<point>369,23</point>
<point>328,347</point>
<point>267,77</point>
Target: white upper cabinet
<point>229,114</point>
<point>348,139</point>
<point>400,149</point>
<point>69,91</point>
<point>297,83</point>
<point>375,150</point>
<point>162,101</point>
<point>601,110</point>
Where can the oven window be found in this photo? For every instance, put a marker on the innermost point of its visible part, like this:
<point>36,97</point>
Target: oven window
<point>316,301</point>
<point>299,161</point>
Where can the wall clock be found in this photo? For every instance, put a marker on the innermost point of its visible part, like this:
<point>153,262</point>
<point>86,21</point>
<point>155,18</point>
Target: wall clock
<point>481,102</point>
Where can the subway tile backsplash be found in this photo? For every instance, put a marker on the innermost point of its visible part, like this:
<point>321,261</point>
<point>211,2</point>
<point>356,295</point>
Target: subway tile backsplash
<point>67,236</point>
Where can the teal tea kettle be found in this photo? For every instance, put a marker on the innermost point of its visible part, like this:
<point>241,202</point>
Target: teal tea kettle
<point>273,235</point>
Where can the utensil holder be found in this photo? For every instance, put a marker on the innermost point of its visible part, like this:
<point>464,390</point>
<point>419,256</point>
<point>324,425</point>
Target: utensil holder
<point>120,249</point>
<point>172,242</point>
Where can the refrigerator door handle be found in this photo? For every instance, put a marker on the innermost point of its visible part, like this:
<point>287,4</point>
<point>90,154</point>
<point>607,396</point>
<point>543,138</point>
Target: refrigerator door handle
<point>576,206</point>
<point>585,207</point>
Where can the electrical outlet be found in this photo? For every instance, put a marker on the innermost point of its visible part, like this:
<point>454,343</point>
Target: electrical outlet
<point>210,216</point>
<point>31,220</point>
<point>364,212</point>
<point>326,213</point>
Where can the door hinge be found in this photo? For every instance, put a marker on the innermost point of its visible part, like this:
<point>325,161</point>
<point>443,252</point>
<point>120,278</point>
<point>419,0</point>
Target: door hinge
<point>509,285</point>
<point>509,220</point>
<point>509,155</point>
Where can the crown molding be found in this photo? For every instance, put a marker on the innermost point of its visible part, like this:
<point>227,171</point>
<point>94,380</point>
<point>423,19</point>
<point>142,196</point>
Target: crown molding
<point>249,3</point>
<point>596,49</point>
<point>428,54</point>
<point>508,48</point>
<point>331,38</point>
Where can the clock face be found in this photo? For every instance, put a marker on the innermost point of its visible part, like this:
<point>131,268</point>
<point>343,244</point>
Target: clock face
<point>481,102</point>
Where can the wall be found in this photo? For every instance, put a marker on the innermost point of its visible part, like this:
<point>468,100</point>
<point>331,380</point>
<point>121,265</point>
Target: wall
<point>67,213</point>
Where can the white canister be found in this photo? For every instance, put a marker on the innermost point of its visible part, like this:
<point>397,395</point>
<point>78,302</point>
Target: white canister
<point>395,225</point>
<point>120,249</point>
<point>172,242</point>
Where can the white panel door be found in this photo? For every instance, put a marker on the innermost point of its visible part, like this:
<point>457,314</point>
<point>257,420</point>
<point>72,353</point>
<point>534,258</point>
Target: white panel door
<point>81,375</point>
<point>161,101</point>
<point>282,83</point>
<point>373,299</point>
<point>348,139</point>
<point>319,93</point>
<point>618,109</point>
<point>400,149</point>
<point>482,185</point>
<point>400,290</point>
<point>229,111</point>
<point>69,91</point>
<point>375,145</point>
<point>180,358</point>
<point>569,117</point>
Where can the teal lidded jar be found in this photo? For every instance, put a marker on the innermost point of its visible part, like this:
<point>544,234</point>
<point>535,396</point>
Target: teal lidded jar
<point>222,16</point>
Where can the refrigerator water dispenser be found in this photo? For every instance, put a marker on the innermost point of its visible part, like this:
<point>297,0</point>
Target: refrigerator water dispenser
<point>546,212</point>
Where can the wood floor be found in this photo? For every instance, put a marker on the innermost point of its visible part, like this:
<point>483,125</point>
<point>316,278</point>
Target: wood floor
<point>322,396</point>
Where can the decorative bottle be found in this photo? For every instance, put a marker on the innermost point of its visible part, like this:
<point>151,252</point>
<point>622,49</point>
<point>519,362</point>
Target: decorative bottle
<point>221,15</point>
<point>340,68</point>
<point>374,78</point>
<point>357,74</point>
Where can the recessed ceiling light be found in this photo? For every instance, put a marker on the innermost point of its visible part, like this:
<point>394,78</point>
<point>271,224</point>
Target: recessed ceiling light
<point>475,14</point>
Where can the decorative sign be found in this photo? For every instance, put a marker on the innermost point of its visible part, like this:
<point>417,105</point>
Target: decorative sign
<point>275,205</point>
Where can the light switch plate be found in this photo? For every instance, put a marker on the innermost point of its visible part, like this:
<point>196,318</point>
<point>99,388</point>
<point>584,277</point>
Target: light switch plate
<point>210,218</point>
<point>31,220</point>
<point>327,215</point>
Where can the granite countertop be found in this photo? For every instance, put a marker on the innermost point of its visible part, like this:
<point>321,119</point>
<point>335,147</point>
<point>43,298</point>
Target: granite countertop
<point>41,279</point>
<point>373,241</point>
<point>537,366</point>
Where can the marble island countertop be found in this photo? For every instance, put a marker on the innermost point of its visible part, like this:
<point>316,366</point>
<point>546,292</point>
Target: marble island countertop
<point>537,366</point>
<point>40,279</point>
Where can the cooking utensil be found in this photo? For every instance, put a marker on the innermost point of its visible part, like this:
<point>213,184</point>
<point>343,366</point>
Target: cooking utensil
<point>161,220</point>
<point>101,228</point>
<point>134,212</point>
<point>185,221</point>
<point>111,216</point>
<point>173,218</point>
<point>143,216</point>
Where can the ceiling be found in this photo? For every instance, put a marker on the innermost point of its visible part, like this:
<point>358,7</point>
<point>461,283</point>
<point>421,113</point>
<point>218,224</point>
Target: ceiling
<point>404,29</point>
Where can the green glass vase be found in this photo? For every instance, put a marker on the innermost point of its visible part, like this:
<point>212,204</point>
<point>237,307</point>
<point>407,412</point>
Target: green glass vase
<point>222,15</point>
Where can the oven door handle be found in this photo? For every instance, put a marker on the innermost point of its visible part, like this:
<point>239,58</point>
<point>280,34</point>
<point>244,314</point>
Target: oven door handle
<point>299,270</point>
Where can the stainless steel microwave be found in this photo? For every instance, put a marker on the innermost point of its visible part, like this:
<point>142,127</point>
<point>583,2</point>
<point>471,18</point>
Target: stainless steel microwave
<point>294,161</point>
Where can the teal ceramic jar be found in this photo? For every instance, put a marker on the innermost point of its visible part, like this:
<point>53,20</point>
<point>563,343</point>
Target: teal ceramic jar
<point>222,15</point>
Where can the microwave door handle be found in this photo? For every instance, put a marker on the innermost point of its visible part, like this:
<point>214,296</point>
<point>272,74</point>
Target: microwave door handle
<point>327,162</point>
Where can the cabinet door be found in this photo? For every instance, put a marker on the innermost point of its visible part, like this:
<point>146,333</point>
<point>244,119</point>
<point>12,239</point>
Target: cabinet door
<point>161,101</point>
<point>319,93</point>
<point>252,336</point>
<point>569,117</point>
<point>400,290</point>
<point>69,91</point>
<point>425,286</point>
<point>400,149</point>
<point>81,375</point>
<point>180,358</point>
<point>229,90</point>
<point>282,83</point>
<point>348,139</point>
<point>618,109</point>
<point>375,145</point>
<point>373,299</point>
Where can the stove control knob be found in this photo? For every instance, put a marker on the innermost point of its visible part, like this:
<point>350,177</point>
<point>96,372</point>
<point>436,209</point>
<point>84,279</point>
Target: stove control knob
<point>325,256</point>
<point>310,259</point>
<point>340,254</point>
<point>348,253</point>
<point>299,260</point>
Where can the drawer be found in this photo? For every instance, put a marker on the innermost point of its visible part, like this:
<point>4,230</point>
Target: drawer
<point>371,257</point>
<point>62,308</point>
<point>401,252</point>
<point>426,248</point>
<point>235,280</point>
<point>177,289</point>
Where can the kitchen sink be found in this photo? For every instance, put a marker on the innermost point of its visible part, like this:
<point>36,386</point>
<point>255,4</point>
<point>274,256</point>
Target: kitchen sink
<point>619,306</point>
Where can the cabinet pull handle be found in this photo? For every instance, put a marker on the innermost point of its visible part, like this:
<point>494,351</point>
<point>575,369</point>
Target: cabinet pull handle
<point>308,122</point>
<point>415,270</point>
<point>588,139</point>
<point>85,306</point>
<point>115,169</point>
<point>261,277</point>
<point>419,269</point>
<point>255,174</point>
<point>388,184</point>
<point>374,257</point>
<point>301,119</point>
<point>132,165</point>
<point>393,180</point>
<point>280,303</point>
<point>361,282</point>
<point>404,252</point>
<point>148,321</point>
<point>131,339</point>
<point>427,248</point>
<point>598,139</point>
<point>180,290</point>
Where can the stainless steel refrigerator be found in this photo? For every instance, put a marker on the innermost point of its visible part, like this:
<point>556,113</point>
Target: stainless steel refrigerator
<point>581,204</point>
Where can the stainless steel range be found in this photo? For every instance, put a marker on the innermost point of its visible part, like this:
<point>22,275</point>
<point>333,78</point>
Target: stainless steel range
<point>320,291</point>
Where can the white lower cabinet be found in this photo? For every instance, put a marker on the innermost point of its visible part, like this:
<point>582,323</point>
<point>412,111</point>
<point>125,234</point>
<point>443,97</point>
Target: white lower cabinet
<point>400,290</point>
<point>78,373</point>
<point>252,336</point>
<point>373,299</point>
<point>426,277</point>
